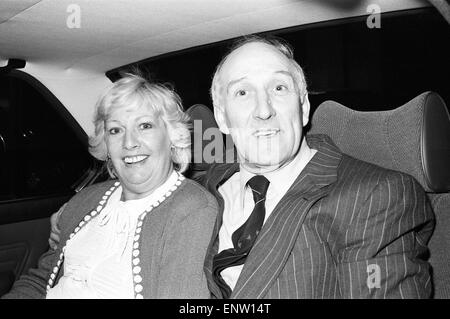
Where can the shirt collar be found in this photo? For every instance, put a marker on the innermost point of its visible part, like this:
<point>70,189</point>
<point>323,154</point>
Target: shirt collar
<point>282,178</point>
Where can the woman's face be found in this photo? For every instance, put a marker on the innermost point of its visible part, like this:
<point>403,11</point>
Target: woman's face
<point>139,147</point>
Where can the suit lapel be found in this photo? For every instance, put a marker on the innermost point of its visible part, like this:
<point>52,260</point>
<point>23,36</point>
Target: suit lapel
<point>217,175</point>
<point>278,235</point>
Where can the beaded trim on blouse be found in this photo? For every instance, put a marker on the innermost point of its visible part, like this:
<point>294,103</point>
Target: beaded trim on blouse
<point>136,269</point>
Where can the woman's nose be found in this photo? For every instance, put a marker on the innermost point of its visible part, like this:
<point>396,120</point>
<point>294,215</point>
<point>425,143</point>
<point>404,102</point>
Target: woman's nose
<point>131,140</point>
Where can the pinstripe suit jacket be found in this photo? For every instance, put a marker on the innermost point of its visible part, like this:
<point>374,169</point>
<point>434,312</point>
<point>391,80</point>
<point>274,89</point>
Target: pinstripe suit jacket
<point>345,229</point>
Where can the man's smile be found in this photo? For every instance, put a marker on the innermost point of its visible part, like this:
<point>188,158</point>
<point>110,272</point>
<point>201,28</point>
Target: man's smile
<point>267,132</point>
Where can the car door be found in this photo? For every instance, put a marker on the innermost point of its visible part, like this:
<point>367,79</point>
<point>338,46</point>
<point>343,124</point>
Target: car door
<point>43,161</point>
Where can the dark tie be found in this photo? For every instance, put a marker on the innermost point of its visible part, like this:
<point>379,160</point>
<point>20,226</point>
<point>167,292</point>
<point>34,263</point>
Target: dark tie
<point>244,237</point>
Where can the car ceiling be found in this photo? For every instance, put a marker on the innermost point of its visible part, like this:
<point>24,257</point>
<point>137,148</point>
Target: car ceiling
<point>113,33</point>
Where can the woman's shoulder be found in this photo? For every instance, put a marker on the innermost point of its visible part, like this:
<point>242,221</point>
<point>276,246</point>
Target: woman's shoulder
<point>193,202</point>
<point>193,190</point>
<point>192,198</point>
<point>91,193</point>
<point>83,202</point>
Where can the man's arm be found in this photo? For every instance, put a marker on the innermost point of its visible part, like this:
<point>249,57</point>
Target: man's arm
<point>385,248</point>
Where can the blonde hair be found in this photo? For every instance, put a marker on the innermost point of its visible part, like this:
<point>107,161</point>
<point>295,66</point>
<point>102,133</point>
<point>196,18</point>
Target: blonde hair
<point>277,43</point>
<point>134,89</point>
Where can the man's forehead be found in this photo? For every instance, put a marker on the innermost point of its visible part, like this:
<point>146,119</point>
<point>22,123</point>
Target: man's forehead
<point>256,55</point>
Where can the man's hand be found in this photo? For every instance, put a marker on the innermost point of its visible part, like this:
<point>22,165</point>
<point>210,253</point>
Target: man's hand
<point>53,241</point>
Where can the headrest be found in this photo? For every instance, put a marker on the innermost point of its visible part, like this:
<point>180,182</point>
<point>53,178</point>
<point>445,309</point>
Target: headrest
<point>202,119</point>
<point>413,138</point>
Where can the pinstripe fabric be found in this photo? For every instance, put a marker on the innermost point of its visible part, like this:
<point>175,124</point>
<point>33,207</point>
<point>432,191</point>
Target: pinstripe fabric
<point>345,229</point>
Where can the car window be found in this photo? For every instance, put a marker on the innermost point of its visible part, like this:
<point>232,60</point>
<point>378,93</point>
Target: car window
<point>40,154</point>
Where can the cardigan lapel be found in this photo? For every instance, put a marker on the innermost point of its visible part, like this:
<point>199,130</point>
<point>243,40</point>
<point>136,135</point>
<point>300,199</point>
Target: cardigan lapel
<point>279,233</point>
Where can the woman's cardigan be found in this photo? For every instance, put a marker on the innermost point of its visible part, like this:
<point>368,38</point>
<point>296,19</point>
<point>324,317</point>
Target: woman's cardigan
<point>168,251</point>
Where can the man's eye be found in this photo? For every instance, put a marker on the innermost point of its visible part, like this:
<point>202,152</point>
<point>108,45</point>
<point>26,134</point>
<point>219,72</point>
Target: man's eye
<point>146,126</point>
<point>241,93</point>
<point>280,88</point>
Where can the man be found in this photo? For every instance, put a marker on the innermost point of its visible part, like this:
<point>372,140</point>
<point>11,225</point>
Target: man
<point>332,226</point>
<point>299,219</point>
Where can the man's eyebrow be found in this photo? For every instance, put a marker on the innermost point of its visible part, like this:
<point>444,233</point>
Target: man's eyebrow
<point>289,74</point>
<point>233,82</point>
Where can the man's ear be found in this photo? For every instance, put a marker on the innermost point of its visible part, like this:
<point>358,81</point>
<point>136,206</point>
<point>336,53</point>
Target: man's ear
<point>219,115</point>
<point>305,110</point>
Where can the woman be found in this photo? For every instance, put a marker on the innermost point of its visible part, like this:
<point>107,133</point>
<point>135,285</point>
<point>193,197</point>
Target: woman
<point>144,235</point>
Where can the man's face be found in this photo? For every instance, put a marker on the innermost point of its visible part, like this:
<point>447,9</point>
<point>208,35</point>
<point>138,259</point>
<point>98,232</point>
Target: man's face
<point>259,106</point>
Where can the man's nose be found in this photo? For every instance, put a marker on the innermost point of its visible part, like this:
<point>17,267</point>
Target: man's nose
<point>131,140</point>
<point>264,109</point>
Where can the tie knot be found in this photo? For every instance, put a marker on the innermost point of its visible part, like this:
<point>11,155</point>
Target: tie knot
<point>259,185</point>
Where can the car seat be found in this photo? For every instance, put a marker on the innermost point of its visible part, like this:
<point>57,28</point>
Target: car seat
<point>414,139</point>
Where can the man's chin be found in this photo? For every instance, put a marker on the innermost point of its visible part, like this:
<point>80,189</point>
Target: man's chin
<point>261,166</point>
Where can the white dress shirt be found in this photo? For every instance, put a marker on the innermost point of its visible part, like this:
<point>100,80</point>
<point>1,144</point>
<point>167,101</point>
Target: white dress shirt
<point>238,201</point>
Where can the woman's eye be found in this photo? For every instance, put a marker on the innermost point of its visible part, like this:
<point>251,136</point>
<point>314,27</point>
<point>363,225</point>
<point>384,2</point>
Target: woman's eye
<point>146,126</point>
<point>114,130</point>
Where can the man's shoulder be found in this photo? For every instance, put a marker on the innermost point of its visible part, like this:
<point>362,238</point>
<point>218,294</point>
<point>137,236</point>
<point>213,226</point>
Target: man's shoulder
<point>216,173</point>
<point>363,173</point>
<point>351,168</point>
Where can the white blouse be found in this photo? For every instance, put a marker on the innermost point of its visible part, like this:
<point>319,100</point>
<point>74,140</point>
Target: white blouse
<point>97,260</point>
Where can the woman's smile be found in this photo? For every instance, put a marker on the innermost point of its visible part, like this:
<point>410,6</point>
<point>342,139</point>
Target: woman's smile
<point>130,160</point>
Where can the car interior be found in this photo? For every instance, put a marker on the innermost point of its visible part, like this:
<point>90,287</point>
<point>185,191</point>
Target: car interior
<point>377,75</point>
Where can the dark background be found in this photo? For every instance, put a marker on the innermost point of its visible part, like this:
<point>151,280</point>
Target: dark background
<point>344,60</point>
